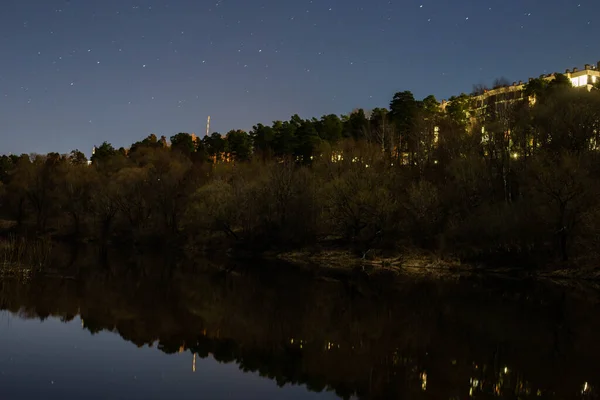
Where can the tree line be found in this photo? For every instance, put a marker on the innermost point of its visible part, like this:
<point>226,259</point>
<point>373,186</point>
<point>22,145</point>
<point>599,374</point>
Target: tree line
<point>514,175</point>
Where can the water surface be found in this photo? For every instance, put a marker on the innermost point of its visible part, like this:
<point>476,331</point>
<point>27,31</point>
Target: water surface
<point>103,335</point>
<point>52,359</point>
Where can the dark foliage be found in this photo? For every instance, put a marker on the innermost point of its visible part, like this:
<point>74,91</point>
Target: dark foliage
<point>517,178</point>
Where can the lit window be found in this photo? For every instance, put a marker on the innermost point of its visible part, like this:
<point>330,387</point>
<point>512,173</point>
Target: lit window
<point>583,80</point>
<point>574,81</point>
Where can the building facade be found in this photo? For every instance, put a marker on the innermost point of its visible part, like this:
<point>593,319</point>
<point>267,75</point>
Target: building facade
<point>498,100</point>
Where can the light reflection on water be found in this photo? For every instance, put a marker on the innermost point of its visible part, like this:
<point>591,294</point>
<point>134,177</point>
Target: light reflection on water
<point>247,337</point>
<point>51,359</point>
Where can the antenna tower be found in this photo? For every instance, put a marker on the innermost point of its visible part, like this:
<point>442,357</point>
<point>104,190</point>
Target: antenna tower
<point>208,126</point>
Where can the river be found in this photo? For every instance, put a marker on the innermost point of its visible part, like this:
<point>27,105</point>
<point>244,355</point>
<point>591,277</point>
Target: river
<point>277,334</point>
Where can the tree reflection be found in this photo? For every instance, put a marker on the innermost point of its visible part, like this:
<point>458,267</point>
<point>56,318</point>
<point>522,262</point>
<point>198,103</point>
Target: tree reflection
<point>422,340</point>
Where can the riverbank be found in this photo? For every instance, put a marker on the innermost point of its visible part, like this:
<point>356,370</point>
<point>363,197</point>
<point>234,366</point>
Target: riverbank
<point>413,263</point>
<point>21,257</point>
<point>420,264</point>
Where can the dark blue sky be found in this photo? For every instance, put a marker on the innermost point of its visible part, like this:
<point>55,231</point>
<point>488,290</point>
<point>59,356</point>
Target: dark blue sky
<point>75,73</point>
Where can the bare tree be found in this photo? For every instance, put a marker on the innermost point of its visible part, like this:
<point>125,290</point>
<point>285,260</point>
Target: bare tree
<point>479,88</point>
<point>500,82</point>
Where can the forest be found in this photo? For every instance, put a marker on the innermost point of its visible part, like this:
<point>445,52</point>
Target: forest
<point>513,177</point>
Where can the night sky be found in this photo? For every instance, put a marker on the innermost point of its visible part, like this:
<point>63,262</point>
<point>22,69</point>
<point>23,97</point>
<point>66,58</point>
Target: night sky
<point>75,73</point>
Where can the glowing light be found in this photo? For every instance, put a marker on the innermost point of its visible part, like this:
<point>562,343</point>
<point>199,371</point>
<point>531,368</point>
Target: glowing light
<point>586,388</point>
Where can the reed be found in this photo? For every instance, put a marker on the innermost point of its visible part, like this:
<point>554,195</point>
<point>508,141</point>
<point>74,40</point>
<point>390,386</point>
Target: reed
<point>22,258</point>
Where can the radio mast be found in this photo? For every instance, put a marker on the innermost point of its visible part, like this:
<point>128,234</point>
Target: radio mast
<point>208,126</point>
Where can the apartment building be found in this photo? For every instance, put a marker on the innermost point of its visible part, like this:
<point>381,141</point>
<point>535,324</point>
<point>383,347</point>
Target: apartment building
<point>498,100</point>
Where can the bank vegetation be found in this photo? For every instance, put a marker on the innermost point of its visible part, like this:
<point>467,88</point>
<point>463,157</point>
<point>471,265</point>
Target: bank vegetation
<point>516,184</point>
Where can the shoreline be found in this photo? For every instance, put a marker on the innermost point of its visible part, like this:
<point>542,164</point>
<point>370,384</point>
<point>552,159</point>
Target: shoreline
<point>423,265</point>
<point>327,262</point>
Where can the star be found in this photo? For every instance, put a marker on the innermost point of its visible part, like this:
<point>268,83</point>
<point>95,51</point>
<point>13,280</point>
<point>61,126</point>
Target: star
<point>308,51</point>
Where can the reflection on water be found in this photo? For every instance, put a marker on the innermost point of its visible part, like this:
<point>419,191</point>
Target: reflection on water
<point>58,360</point>
<point>194,333</point>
